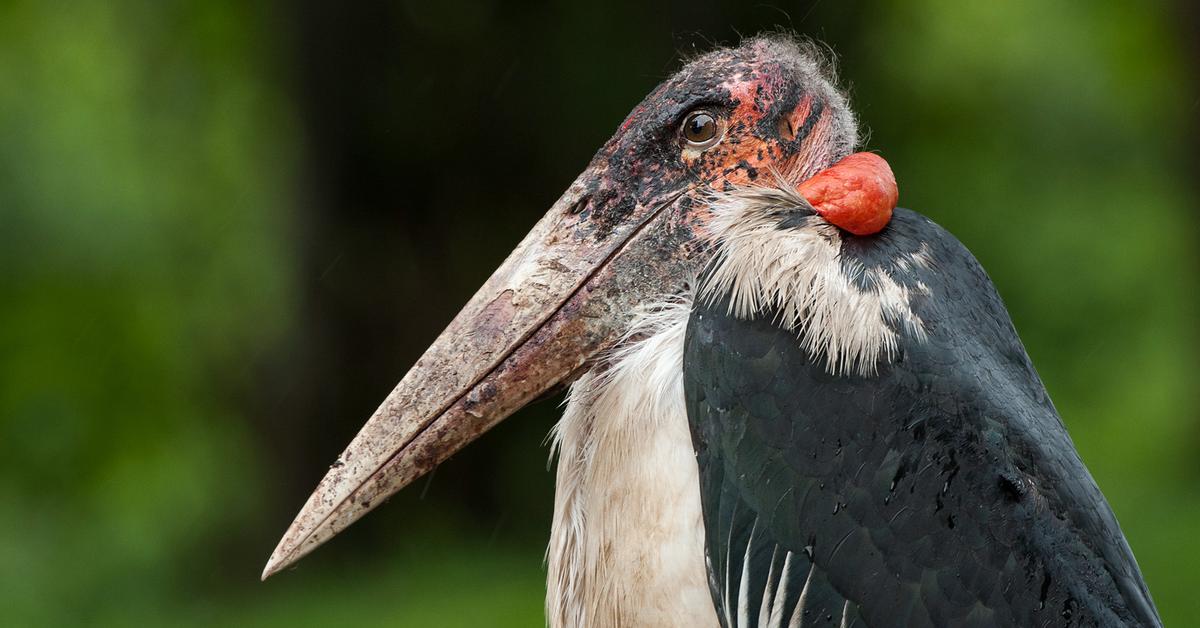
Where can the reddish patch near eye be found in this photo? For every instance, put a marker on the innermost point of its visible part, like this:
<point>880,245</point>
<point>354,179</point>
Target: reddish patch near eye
<point>857,193</point>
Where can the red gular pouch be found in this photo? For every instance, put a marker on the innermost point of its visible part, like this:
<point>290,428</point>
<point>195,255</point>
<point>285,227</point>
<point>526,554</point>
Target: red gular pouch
<point>856,194</point>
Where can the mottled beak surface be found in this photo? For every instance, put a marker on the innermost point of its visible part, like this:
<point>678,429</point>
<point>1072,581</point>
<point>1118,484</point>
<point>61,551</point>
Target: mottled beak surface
<point>554,303</point>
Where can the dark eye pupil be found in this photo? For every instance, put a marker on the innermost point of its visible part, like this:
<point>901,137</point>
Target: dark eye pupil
<point>699,128</point>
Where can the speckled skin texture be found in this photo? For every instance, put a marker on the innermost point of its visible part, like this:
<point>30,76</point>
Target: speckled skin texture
<point>942,491</point>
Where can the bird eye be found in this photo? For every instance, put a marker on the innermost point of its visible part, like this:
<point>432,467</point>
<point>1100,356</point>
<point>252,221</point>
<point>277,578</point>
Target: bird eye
<point>701,129</point>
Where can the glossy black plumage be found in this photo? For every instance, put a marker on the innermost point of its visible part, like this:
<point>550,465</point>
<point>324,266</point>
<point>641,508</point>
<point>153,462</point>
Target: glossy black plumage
<point>941,491</point>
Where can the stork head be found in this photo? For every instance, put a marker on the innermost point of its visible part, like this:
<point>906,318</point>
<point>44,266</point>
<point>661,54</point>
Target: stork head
<point>732,117</point>
<point>633,227</point>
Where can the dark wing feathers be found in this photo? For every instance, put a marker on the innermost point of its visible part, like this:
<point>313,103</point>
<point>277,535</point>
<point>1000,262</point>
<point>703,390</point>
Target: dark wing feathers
<point>758,582</point>
<point>941,491</point>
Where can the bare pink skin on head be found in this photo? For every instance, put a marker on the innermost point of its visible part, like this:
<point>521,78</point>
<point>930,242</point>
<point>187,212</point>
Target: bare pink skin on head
<point>770,127</point>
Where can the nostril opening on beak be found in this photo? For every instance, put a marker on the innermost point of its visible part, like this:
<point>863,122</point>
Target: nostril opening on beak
<point>578,206</point>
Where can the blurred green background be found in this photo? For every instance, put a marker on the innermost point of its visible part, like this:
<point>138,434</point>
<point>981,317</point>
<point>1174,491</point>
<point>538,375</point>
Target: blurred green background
<point>226,230</point>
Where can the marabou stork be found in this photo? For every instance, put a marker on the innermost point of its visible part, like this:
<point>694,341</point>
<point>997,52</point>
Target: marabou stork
<point>790,405</point>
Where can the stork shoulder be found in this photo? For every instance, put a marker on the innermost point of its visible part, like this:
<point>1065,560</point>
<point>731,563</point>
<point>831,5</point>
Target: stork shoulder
<point>938,484</point>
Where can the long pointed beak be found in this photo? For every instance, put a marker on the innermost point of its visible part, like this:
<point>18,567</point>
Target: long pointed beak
<point>559,298</point>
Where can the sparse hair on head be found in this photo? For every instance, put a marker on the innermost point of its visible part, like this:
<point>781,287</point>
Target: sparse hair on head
<point>815,63</point>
